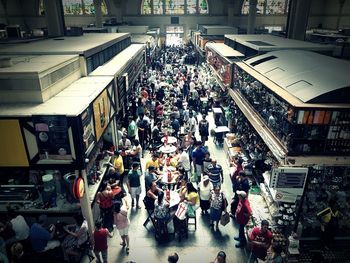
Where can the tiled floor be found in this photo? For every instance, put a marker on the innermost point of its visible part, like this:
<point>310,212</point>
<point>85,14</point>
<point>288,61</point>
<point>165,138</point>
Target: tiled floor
<point>202,245</point>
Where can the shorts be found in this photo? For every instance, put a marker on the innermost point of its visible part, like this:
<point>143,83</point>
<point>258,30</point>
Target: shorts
<point>124,231</point>
<point>135,191</point>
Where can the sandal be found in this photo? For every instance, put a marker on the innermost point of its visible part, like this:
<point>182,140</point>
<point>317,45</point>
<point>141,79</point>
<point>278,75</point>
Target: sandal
<point>122,244</point>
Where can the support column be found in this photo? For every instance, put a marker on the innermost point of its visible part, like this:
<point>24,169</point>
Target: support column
<point>54,18</point>
<point>341,5</point>
<point>85,203</point>
<point>233,12</point>
<point>298,17</point>
<point>98,13</point>
<point>252,17</point>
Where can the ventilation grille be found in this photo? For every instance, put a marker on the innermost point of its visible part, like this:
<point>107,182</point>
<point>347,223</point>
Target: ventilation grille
<point>255,63</point>
<point>59,74</point>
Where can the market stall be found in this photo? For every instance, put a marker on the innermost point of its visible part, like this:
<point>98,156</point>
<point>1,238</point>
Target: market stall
<point>294,139</point>
<point>53,151</point>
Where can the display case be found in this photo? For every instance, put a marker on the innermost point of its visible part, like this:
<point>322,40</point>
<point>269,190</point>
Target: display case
<point>303,128</point>
<point>297,114</point>
<point>220,58</point>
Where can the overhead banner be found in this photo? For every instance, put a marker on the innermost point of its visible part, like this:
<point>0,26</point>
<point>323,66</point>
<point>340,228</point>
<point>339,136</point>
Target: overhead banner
<point>101,113</point>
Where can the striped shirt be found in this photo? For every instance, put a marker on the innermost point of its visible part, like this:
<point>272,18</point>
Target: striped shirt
<point>215,174</point>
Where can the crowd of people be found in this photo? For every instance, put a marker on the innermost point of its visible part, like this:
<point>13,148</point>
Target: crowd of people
<point>168,103</point>
<point>172,100</point>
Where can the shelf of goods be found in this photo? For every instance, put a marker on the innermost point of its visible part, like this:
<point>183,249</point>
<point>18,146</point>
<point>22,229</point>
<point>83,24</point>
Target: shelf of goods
<point>326,183</point>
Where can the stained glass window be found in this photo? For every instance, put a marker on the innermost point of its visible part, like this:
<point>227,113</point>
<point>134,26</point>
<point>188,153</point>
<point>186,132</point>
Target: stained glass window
<point>203,7</point>
<point>147,7</point>
<point>157,7</point>
<point>174,7</point>
<point>276,7</point>
<point>72,7</point>
<point>268,7</point>
<point>89,8</point>
<point>191,6</point>
<point>82,7</point>
<point>41,8</point>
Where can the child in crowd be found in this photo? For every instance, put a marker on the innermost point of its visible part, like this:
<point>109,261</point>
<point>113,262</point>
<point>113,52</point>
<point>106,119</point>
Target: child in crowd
<point>100,242</point>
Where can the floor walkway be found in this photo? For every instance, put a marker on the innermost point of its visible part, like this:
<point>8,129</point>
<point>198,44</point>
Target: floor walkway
<point>202,245</point>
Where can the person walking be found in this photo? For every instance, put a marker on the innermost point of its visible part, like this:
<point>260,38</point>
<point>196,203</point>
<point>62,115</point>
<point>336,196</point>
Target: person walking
<point>104,199</point>
<point>203,128</point>
<point>100,242</point>
<point>122,223</point>
<point>204,189</point>
<point>216,175</point>
<point>243,214</point>
<point>134,184</point>
<point>217,200</point>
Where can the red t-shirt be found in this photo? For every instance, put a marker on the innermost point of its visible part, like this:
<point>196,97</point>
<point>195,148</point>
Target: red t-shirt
<point>266,238</point>
<point>243,212</point>
<point>100,238</point>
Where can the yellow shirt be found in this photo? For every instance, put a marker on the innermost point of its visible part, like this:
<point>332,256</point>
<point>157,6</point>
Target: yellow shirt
<point>119,166</point>
<point>152,163</point>
<point>192,195</point>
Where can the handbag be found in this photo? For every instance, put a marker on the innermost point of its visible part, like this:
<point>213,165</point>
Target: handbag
<point>181,211</point>
<point>225,219</point>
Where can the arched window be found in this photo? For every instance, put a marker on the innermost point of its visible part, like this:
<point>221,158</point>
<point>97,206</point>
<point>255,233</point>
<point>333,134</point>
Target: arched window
<point>82,7</point>
<point>174,7</point>
<point>267,7</point>
<point>41,8</point>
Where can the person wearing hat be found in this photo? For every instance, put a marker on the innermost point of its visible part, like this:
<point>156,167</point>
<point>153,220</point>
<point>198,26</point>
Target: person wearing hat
<point>243,214</point>
<point>204,189</point>
<point>40,237</point>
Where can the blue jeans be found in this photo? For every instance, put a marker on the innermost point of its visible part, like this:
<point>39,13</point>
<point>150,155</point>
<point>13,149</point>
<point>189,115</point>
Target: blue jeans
<point>241,235</point>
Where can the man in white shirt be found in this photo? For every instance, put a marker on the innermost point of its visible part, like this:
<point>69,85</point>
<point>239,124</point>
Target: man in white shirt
<point>124,143</point>
<point>185,160</point>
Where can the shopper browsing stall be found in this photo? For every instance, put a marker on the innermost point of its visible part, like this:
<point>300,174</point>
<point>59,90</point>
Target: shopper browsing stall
<point>260,239</point>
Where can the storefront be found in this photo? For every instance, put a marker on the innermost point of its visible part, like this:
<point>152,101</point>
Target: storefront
<point>293,127</point>
<point>53,158</point>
